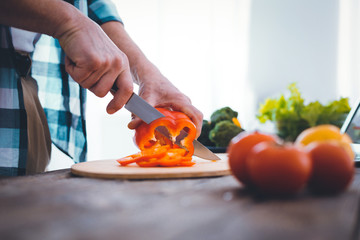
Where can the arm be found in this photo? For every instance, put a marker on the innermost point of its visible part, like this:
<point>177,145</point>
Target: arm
<point>92,59</point>
<point>26,15</point>
<point>153,86</point>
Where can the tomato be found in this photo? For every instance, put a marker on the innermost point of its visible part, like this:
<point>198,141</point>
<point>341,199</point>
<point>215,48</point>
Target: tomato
<point>239,149</point>
<point>333,168</point>
<point>278,169</point>
<point>325,132</point>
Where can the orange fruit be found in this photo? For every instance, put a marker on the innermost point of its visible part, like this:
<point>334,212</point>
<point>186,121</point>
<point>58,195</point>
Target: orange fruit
<point>325,132</point>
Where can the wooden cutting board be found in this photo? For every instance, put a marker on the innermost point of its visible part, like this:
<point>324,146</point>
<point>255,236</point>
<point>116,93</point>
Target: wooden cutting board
<point>112,169</point>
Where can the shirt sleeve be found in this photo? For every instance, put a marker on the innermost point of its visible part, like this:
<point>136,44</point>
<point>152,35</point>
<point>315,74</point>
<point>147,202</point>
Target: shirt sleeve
<point>102,11</point>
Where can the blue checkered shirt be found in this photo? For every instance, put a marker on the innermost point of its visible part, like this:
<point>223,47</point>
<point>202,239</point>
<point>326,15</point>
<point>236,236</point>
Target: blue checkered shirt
<point>62,98</point>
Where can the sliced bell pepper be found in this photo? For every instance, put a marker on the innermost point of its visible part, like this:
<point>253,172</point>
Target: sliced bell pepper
<point>155,152</point>
<point>158,150</point>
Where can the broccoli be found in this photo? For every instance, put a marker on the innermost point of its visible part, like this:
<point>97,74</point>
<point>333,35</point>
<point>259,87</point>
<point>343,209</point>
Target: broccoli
<point>204,136</point>
<point>223,132</point>
<point>225,113</point>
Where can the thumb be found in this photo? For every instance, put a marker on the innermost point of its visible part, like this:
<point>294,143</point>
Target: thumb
<point>72,69</point>
<point>69,65</point>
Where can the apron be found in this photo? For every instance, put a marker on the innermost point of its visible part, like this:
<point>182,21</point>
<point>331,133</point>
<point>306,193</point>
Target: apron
<point>38,135</point>
<point>39,141</point>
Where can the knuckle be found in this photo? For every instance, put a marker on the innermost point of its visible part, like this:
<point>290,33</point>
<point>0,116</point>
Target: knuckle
<point>129,89</point>
<point>126,86</point>
<point>185,98</point>
<point>101,93</point>
<point>116,63</point>
<point>123,57</point>
<point>99,90</point>
<point>98,93</point>
<point>121,60</point>
<point>86,85</point>
<point>200,114</point>
<point>106,62</point>
<point>95,63</point>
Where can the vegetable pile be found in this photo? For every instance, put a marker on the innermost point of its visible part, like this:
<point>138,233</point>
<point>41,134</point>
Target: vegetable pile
<point>221,128</point>
<point>292,115</point>
<point>158,150</point>
<point>321,158</point>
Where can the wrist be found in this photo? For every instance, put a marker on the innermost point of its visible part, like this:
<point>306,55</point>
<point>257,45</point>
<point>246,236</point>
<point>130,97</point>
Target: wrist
<point>143,70</point>
<point>24,14</point>
<point>70,21</point>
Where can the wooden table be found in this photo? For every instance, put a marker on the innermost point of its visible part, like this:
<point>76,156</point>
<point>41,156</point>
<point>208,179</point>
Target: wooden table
<point>58,205</point>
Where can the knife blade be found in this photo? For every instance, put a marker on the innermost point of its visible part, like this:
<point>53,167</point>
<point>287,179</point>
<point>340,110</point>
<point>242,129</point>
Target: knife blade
<point>148,113</point>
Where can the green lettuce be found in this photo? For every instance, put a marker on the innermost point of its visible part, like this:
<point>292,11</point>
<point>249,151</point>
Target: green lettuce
<point>291,115</point>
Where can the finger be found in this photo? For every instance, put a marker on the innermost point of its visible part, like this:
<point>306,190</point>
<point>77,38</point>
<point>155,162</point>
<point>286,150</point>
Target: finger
<point>104,84</point>
<point>96,77</point>
<point>195,115</point>
<point>124,92</point>
<point>77,73</point>
<point>134,123</point>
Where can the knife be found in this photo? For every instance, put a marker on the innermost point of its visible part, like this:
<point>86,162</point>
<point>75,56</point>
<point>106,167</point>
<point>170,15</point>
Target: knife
<point>148,113</point>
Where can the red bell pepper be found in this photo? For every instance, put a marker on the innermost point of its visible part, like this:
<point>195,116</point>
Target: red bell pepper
<point>156,149</point>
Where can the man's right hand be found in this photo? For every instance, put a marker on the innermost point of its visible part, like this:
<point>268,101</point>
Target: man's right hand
<point>92,59</point>
<point>96,63</point>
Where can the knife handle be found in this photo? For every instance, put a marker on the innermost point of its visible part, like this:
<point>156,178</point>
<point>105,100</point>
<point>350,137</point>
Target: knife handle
<point>114,88</point>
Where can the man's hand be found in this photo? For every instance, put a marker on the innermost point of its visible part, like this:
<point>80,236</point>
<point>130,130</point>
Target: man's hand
<point>92,59</point>
<point>96,63</point>
<point>154,87</point>
<point>160,92</point>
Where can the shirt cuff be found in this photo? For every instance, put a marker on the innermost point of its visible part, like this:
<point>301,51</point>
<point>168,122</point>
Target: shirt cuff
<point>102,11</point>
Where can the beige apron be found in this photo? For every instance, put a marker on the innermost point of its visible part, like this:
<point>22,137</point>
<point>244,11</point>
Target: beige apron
<point>39,141</point>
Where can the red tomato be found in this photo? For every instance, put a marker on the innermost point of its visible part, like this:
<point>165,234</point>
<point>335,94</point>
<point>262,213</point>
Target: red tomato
<point>333,168</point>
<point>239,149</point>
<point>278,169</point>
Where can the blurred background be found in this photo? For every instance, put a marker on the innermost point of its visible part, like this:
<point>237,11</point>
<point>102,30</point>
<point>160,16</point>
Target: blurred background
<point>234,53</point>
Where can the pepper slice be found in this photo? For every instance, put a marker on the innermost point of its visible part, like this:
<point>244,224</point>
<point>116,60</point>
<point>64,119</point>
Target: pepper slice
<point>158,150</point>
<point>154,152</point>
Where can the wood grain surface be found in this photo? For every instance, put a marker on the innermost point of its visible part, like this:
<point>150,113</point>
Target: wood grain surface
<point>60,206</point>
<point>112,169</point>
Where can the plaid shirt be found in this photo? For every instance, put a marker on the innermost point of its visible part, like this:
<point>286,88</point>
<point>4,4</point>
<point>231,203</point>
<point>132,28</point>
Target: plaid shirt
<point>62,98</point>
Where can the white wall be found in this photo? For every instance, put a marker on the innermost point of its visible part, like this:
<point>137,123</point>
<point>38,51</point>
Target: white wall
<point>349,49</point>
<point>294,41</point>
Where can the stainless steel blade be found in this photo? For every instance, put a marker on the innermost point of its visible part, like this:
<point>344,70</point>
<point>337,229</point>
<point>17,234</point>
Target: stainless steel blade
<point>203,152</point>
<point>142,109</point>
<point>199,149</point>
<point>148,113</point>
